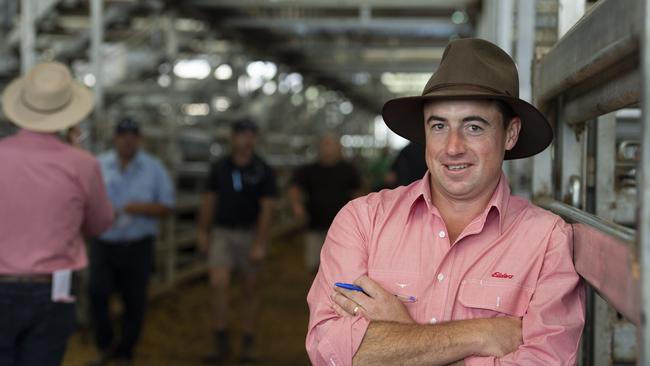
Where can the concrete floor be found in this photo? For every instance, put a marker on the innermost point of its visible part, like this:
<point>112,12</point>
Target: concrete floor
<point>177,330</point>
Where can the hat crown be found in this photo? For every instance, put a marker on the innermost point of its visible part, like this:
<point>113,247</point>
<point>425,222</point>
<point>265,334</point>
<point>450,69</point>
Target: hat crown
<point>48,87</point>
<point>475,63</point>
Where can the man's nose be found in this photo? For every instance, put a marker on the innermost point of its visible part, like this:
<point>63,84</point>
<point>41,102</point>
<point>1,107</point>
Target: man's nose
<point>455,143</point>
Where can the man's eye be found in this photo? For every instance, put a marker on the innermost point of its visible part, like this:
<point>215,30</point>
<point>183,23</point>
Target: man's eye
<point>437,126</point>
<point>475,128</point>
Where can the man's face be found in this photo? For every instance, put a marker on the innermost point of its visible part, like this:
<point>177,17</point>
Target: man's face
<point>244,141</point>
<point>465,145</point>
<point>330,149</point>
<point>127,144</point>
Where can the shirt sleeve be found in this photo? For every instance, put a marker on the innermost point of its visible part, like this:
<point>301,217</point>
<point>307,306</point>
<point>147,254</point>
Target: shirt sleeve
<point>333,340</point>
<point>165,188</point>
<point>552,326</point>
<point>98,211</point>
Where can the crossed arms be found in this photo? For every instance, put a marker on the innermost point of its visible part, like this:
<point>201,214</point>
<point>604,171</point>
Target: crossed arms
<point>384,332</point>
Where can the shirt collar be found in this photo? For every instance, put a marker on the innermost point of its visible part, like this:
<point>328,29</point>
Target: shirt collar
<point>498,201</point>
<point>136,161</point>
<point>45,137</point>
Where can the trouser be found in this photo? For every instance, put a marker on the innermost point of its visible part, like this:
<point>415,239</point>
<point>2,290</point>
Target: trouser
<point>34,330</point>
<point>123,267</point>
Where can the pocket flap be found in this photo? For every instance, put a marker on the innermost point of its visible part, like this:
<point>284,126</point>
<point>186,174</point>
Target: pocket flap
<point>509,299</point>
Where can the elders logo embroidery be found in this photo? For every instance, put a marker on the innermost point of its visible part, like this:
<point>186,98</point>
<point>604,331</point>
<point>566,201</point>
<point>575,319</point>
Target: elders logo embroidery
<point>402,285</point>
<point>502,275</point>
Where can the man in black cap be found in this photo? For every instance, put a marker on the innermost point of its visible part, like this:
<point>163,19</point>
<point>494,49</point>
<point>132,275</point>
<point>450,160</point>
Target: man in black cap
<point>452,269</point>
<point>234,230</point>
<point>122,257</point>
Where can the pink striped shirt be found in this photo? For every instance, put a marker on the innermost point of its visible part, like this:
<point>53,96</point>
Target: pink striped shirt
<point>514,259</point>
<point>50,194</point>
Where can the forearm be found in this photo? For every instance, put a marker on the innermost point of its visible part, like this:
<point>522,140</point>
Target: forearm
<point>415,344</point>
<point>295,198</point>
<point>206,213</point>
<point>263,228</point>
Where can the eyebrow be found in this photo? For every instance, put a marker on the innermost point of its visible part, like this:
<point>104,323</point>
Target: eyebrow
<point>466,119</point>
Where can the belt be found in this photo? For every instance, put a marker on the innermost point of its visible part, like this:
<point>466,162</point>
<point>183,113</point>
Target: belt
<point>34,278</point>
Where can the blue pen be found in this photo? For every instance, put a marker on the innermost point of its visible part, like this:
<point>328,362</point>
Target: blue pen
<point>349,286</point>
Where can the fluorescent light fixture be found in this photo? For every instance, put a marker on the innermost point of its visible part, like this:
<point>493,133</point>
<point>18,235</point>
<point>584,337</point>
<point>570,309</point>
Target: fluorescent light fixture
<point>164,80</point>
<point>221,104</point>
<point>297,100</point>
<point>90,80</point>
<point>262,69</point>
<point>346,107</point>
<point>196,109</point>
<point>192,69</point>
<point>311,93</point>
<point>269,87</point>
<point>223,72</point>
<point>405,83</point>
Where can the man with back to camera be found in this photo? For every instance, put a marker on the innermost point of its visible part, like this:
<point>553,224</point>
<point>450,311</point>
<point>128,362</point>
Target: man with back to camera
<point>318,191</point>
<point>51,195</point>
<point>122,257</point>
<point>454,269</point>
<point>234,228</point>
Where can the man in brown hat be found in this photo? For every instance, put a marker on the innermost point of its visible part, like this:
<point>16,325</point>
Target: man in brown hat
<point>452,269</point>
<point>52,196</point>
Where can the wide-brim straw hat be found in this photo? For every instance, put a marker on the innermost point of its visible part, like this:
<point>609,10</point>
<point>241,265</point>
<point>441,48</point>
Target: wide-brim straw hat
<point>472,68</point>
<point>46,99</point>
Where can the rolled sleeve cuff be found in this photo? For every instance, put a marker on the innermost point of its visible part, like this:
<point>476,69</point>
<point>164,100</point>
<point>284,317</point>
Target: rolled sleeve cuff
<point>480,361</point>
<point>340,346</point>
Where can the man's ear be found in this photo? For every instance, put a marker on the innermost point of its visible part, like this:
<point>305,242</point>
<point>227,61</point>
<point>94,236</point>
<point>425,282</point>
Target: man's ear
<point>512,132</point>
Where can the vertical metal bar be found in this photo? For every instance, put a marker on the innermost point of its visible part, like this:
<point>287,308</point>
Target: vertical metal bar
<point>521,168</point>
<point>27,35</point>
<point>98,131</point>
<point>569,11</point>
<point>605,167</point>
<point>505,16</point>
<point>644,191</point>
<point>171,51</point>
<point>570,146</point>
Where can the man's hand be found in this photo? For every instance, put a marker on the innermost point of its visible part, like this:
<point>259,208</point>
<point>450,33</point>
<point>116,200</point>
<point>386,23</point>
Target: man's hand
<point>258,251</point>
<point>500,336</point>
<point>203,240</point>
<point>375,303</point>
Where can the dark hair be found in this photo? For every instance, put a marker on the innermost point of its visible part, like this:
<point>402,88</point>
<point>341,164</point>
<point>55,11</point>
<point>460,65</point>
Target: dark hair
<point>507,114</point>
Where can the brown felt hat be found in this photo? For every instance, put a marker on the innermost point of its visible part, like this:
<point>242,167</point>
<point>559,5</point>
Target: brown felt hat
<point>472,68</point>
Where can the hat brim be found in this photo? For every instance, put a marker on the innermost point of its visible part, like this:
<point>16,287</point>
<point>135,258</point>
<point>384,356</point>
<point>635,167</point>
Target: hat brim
<point>405,117</point>
<point>80,105</point>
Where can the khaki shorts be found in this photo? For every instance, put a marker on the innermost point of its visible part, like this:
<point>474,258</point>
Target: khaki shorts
<point>313,244</point>
<point>230,249</point>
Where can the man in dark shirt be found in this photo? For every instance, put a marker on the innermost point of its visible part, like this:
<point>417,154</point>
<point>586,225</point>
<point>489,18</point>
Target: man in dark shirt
<point>409,166</point>
<point>234,230</point>
<point>317,193</point>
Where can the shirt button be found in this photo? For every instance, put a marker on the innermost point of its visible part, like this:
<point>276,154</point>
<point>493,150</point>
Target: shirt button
<point>440,277</point>
<point>442,234</point>
<point>433,321</point>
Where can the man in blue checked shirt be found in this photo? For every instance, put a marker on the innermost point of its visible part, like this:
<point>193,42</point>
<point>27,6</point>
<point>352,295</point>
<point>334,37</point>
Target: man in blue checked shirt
<point>121,258</point>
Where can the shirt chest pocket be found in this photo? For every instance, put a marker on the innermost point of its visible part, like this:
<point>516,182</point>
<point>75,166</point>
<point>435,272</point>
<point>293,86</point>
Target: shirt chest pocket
<point>491,298</point>
<point>143,190</point>
<point>402,284</point>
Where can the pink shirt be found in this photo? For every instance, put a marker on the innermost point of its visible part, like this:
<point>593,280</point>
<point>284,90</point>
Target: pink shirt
<point>514,259</point>
<point>50,194</point>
